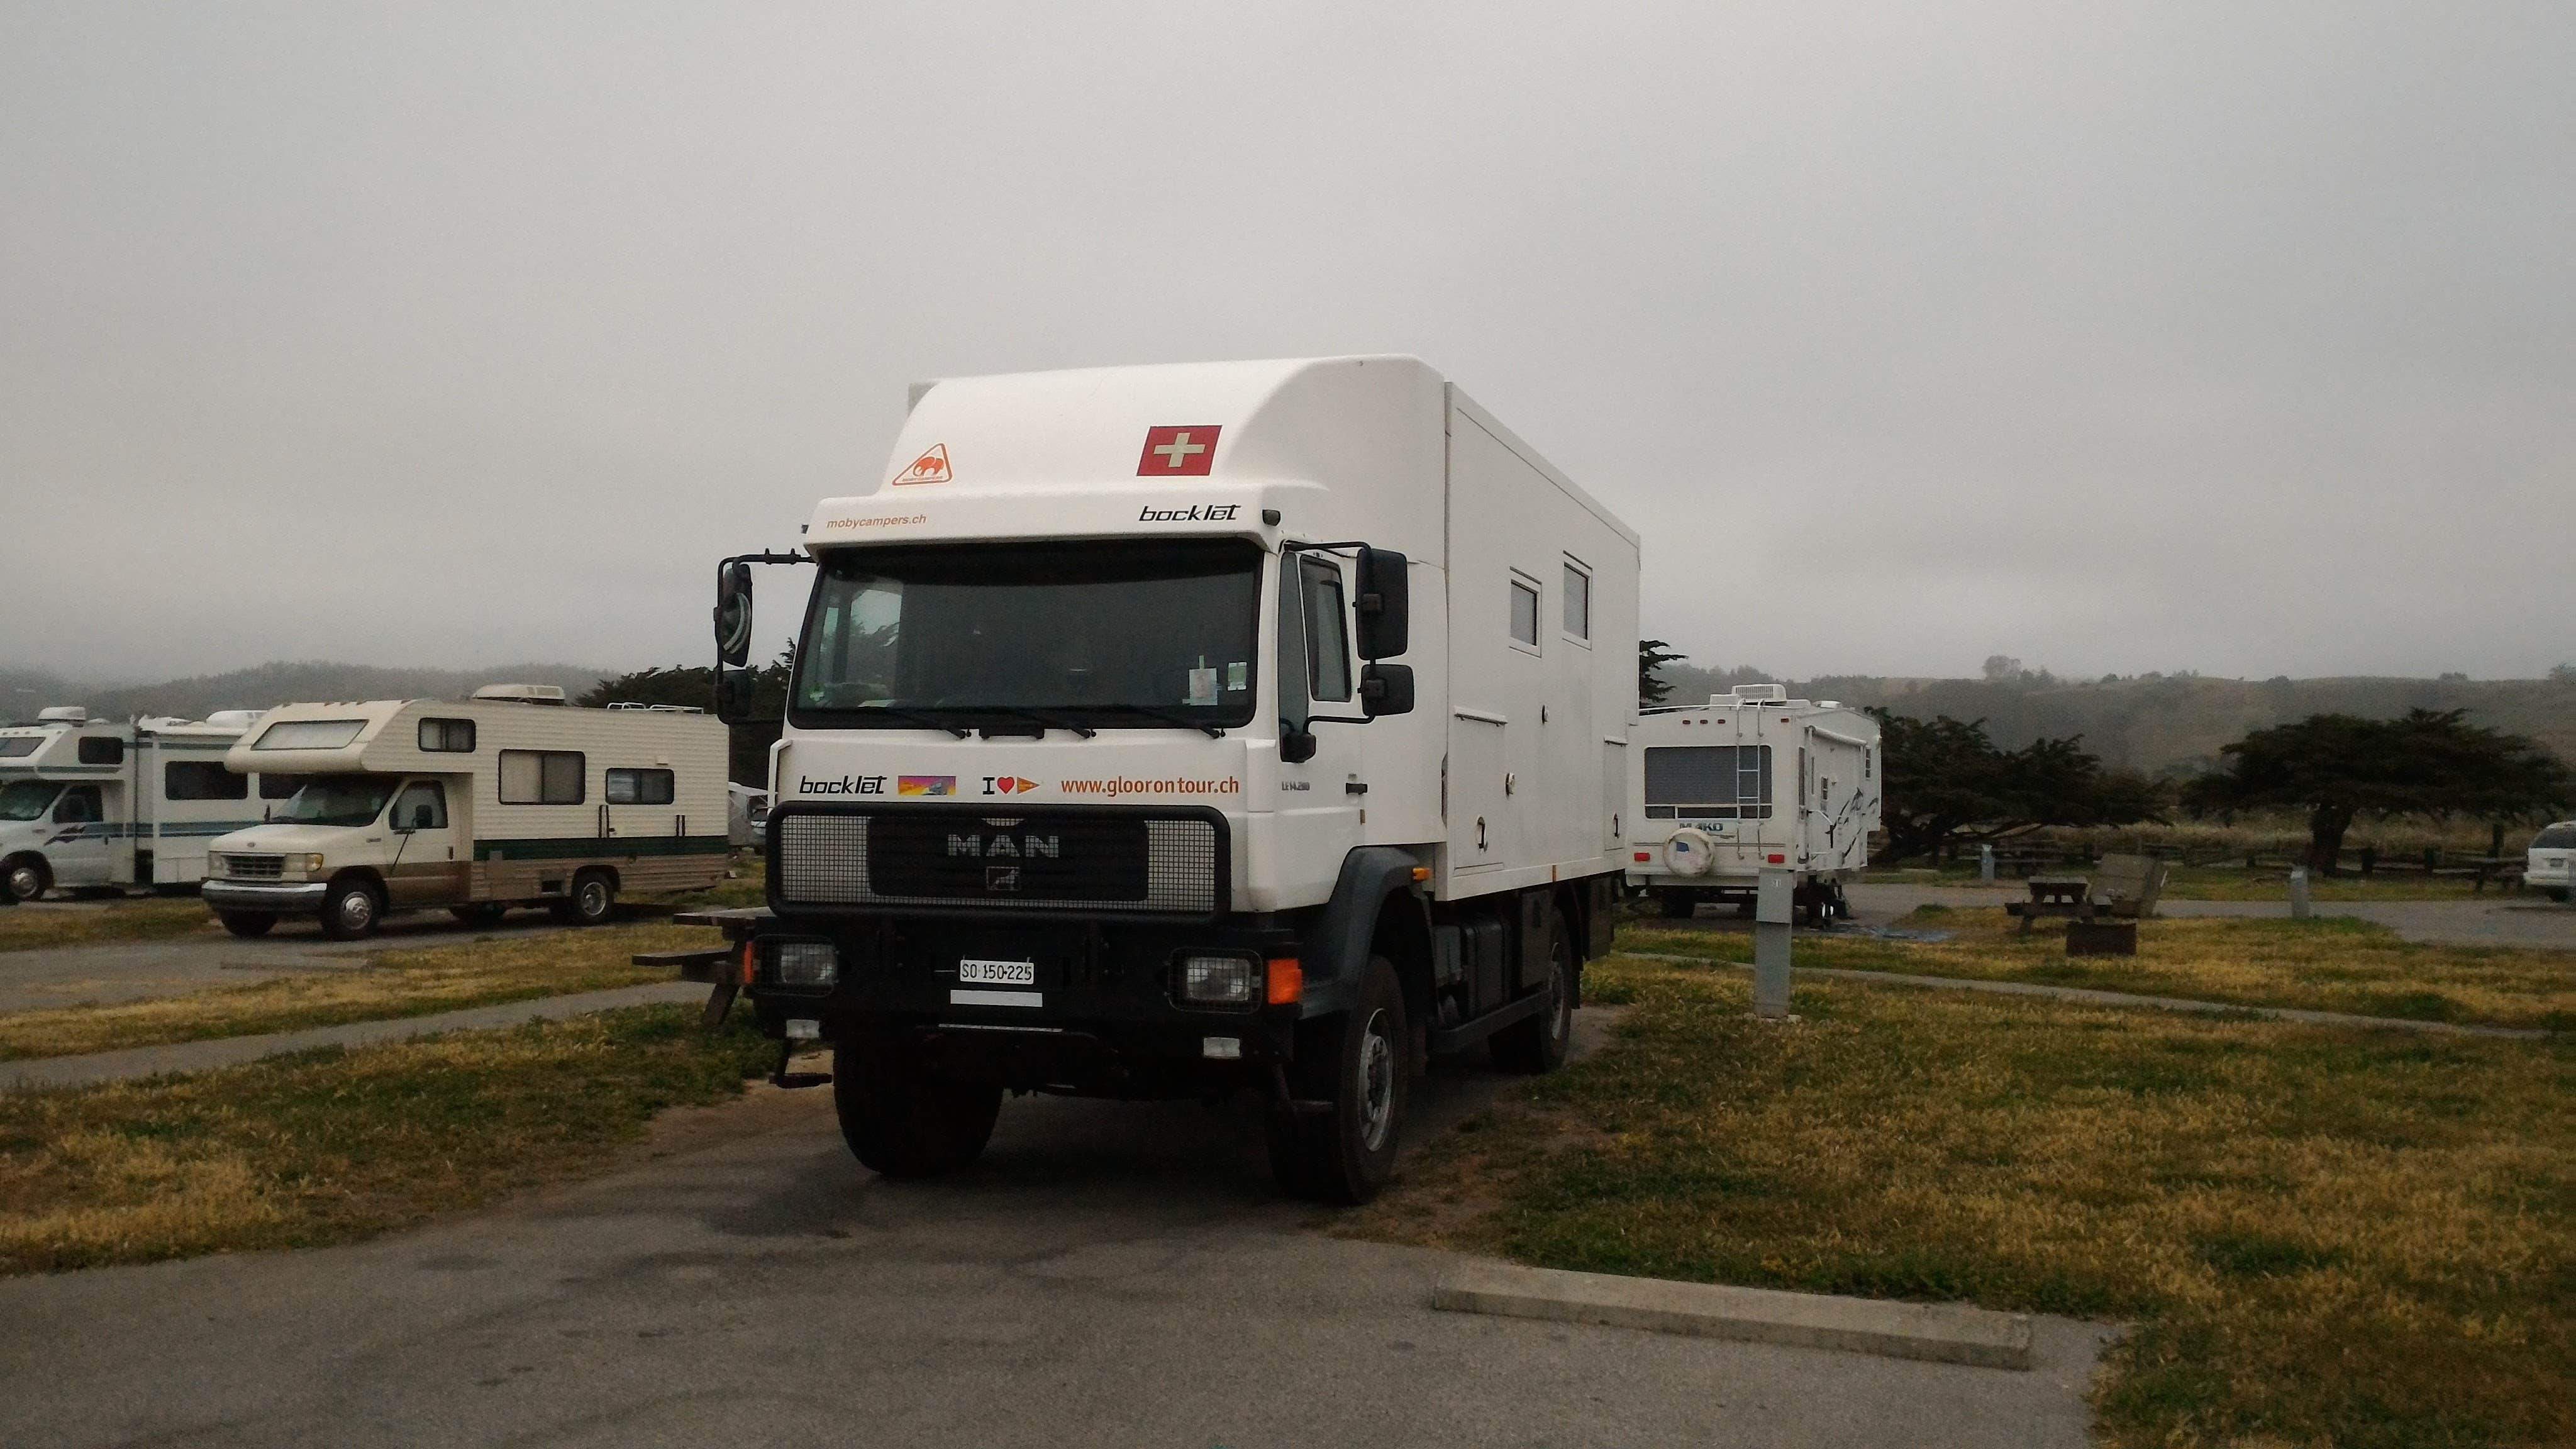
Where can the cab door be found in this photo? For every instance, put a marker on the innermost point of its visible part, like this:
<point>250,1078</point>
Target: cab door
<point>429,865</point>
<point>80,851</point>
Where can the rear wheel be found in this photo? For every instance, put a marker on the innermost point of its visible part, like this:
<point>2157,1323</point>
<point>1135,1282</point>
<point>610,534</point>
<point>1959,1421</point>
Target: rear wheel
<point>247,924</point>
<point>1677,905</point>
<point>1362,1070</point>
<point>1539,1044</point>
<point>902,1122</point>
<point>352,911</point>
<point>24,879</point>
<point>593,900</point>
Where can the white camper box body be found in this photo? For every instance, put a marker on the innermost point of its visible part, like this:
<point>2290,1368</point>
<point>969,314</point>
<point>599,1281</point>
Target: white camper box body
<point>1752,780</point>
<point>88,802</point>
<point>525,803</point>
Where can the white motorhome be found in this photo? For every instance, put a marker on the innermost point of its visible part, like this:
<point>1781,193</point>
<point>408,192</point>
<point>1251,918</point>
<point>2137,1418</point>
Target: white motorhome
<point>1751,781</point>
<point>1160,731</point>
<point>87,802</point>
<point>474,805</point>
<point>2549,865</point>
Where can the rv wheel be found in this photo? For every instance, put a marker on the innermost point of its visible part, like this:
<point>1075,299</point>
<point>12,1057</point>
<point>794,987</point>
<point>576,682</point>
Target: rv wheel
<point>247,924</point>
<point>351,912</point>
<point>26,879</point>
<point>592,902</point>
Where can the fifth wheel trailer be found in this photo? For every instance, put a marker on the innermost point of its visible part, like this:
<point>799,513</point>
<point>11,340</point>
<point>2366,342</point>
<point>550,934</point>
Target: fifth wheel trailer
<point>1751,781</point>
<point>1168,731</point>
<point>88,802</point>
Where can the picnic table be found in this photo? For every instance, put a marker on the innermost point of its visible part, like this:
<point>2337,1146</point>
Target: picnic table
<point>2054,895</point>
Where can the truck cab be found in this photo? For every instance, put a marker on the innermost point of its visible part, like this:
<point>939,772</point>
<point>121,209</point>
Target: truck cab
<point>345,849</point>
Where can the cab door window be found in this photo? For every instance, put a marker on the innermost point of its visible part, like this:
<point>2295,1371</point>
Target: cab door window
<point>421,806</point>
<point>79,806</point>
<point>1328,644</point>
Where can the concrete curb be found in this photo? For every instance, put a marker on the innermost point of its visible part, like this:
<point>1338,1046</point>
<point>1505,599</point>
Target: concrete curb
<point>41,1073</point>
<point>2089,997</point>
<point>1937,1332</point>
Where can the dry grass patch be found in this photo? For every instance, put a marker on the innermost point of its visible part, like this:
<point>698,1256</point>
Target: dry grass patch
<point>330,1145</point>
<point>389,984</point>
<point>2328,963</point>
<point>34,928</point>
<point>2321,1236</point>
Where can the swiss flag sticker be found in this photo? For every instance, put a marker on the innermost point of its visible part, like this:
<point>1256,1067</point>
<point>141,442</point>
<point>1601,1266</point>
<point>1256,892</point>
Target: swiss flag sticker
<point>930,467</point>
<point>1178,452</point>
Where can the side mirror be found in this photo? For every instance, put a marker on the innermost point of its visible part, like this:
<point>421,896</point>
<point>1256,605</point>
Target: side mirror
<point>1384,606</point>
<point>733,615</point>
<point>1296,746</point>
<point>733,694</point>
<point>1386,689</point>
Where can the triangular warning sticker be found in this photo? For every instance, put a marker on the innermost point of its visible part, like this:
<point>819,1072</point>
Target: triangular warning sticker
<point>930,467</point>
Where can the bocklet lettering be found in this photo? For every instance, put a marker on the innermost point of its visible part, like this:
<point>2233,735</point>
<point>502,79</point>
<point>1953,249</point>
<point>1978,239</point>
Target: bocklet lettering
<point>1195,513</point>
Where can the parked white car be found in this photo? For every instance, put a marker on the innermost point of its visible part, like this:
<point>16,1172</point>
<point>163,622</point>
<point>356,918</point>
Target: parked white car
<point>2551,865</point>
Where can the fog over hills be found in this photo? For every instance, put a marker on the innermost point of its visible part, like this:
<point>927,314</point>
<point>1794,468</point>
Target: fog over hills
<point>24,691</point>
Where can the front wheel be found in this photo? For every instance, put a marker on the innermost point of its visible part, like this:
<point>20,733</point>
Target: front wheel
<point>352,911</point>
<point>902,1122</point>
<point>1347,1155</point>
<point>247,924</point>
<point>24,879</point>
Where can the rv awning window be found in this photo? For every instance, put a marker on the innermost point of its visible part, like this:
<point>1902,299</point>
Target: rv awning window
<point>309,734</point>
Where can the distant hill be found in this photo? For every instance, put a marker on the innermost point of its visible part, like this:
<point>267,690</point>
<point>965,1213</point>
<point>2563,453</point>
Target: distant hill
<point>2173,724</point>
<point>24,691</point>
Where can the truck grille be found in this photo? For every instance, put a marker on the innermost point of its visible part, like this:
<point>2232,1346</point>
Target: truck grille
<point>254,867</point>
<point>1111,861</point>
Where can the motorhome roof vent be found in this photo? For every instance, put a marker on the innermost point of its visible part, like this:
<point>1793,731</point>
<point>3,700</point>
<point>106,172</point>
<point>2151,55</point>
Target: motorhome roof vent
<point>63,714</point>
<point>235,719</point>
<point>522,693</point>
<point>1743,692</point>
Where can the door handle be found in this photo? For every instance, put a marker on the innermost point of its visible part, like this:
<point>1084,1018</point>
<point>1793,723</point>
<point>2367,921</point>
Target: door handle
<point>1480,832</point>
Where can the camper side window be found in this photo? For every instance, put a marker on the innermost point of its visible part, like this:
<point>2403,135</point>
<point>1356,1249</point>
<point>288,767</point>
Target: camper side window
<point>102,750</point>
<point>1524,612</point>
<point>202,780</point>
<point>1578,601</point>
<point>641,787</point>
<point>541,777</point>
<point>447,736</point>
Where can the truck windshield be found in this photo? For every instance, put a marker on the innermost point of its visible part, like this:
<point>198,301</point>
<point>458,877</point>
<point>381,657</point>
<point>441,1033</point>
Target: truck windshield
<point>27,799</point>
<point>1112,633</point>
<point>340,799</point>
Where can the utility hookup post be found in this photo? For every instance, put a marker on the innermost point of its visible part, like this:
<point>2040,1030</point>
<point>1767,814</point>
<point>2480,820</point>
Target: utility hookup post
<point>2299,893</point>
<point>1986,864</point>
<point>1774,902</point>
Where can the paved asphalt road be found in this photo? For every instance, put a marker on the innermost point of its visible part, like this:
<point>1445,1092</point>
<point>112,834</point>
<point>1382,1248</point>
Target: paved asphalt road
<point>2500,921</point>
<point>1110,1274</point>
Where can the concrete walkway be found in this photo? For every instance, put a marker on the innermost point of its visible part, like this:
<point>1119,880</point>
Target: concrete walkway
<point>2089,997</point>
<point>201,1056</point>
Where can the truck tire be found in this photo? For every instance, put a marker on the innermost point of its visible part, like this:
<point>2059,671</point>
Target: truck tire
<point>899,1120</point>
<point>247,924</point>
<point>592,902</point>
<point>352,911</point>
<point>24,879</point>
<point>1346,1155</point>
<point>1677,905</point>
<point>1538,1046</point>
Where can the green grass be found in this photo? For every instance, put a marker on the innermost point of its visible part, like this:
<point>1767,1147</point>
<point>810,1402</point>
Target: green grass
<point>332,1145</point>
<point>2317,1236</point>
<point>2326,963</point>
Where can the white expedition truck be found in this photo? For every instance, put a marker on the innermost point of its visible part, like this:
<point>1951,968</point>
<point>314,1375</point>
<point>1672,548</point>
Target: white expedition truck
<point>1168,731</point>
<point>86,802</point>
<point>1751,781</point>
<point>510,798</point>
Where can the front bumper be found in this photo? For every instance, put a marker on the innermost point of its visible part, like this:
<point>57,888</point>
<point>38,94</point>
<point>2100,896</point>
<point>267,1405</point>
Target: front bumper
<point>282,897</point>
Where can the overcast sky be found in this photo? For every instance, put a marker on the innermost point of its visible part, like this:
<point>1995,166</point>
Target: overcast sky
<point>2238,338</point>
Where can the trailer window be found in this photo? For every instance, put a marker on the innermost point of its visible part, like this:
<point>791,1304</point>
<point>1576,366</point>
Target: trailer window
<point>641,787</point>
<point>102,750</point>
<point>1708,782</point>
<point>541,777</point>
<point>1524,612</point>
<point>27,799</point>
<point>1578,601</point>
<point>447,736</point>
<point>202,780</point>
<point>17,746</point>
<point>309,734</point>
<point>1328,644</point>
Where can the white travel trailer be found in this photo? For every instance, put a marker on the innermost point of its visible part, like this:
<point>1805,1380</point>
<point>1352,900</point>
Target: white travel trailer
<point>1159,731</point>
<point>1752,780</point>
<point>475,805</point>
<point>2549,865</point>
<point>87,802</point>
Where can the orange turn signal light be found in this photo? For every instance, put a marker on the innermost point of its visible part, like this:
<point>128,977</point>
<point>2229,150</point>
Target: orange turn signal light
<point>1421,873</point>
<point>1287,982</point>
<point>750,960</point>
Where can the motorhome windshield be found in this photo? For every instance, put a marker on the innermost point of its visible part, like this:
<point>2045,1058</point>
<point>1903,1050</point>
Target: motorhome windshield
<point>27,799</point>
<point>340,800</point>
<point>1110,634</point>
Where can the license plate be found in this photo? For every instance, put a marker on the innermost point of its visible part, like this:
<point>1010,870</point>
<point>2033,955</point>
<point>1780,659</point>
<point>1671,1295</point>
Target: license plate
<point>997,973</point>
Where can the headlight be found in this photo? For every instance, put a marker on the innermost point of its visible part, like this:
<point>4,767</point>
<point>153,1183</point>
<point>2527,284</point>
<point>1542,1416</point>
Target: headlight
<point>312,865</point>
<point>1218,980</point>
<point>807,963</point>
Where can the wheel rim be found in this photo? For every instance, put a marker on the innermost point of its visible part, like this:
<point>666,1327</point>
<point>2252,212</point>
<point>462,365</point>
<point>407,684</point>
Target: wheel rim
<point>1377,1083</point>
<point>357,911</point>
<point>23,882</point>
<point>594,898</point>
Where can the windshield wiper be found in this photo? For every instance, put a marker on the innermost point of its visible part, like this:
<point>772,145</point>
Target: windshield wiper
<point>917,717</point>
<point>1044,722</point>
<point>1165,715</point>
